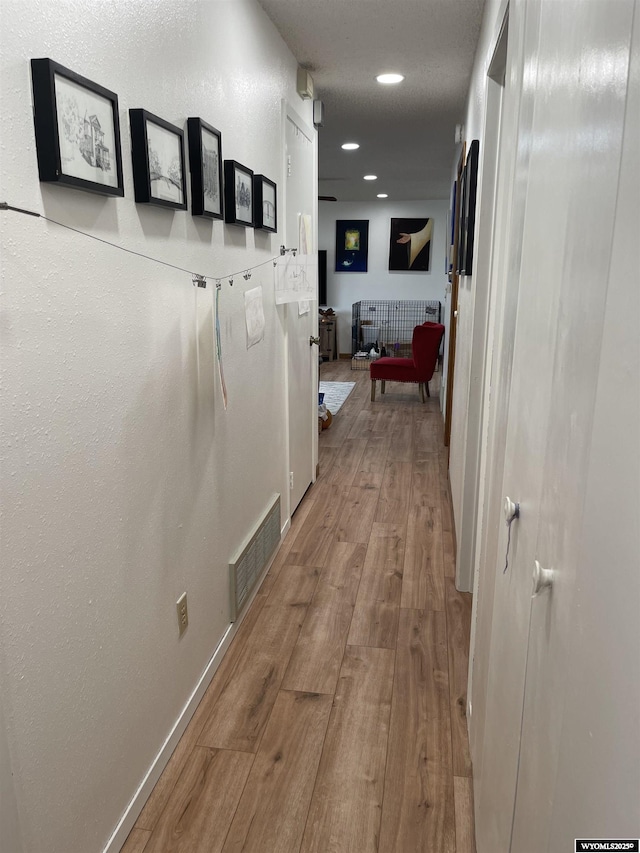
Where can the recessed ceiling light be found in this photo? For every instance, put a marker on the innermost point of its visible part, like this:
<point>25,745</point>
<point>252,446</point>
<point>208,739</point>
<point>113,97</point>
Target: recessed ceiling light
<point>382,195</point>
<point>350,146</point>
<point>388,79</point>
<point>371,177</point>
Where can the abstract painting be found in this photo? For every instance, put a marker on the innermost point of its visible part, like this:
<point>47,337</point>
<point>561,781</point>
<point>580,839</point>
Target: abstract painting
<point>352,245</point>
<point>410,244</point>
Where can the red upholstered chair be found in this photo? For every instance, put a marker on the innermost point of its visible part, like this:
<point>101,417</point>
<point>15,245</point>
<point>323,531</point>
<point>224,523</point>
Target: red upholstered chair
<point>425,347</point>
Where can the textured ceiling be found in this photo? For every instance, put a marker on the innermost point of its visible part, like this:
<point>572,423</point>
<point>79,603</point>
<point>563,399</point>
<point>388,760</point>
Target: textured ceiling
<point>406,132</point>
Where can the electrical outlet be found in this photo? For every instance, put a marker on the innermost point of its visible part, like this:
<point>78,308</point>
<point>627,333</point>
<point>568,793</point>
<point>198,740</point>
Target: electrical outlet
<point>183,613</point>
<point>290,479</point>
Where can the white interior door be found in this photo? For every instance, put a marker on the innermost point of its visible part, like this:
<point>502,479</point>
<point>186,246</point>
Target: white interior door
<point>502,605</point>
<point>567,163</point>
<point>302,359</point>
<point>578,772</point>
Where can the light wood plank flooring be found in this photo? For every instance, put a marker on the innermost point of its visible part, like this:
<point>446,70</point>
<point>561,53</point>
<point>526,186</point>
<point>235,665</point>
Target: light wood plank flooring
<point>336,721</point>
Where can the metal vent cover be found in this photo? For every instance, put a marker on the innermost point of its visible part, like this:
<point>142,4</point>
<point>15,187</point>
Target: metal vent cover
<point>248,564</point>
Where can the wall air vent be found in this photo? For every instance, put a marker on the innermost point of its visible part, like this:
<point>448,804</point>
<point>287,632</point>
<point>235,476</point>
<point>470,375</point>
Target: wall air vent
<point>304,82</point>
<point>252,558</point>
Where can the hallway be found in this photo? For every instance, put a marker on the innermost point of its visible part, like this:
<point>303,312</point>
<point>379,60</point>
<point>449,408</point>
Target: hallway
<point>336,721</point>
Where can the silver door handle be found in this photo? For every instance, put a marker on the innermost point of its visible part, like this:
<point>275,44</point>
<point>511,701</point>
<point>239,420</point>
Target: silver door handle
<point>542,578</point>
<point>313,341</point>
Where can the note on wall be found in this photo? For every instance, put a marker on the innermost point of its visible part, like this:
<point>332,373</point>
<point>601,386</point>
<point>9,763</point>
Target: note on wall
<point>305,234</point>
<point>254,315</point>
<point>296,278</point>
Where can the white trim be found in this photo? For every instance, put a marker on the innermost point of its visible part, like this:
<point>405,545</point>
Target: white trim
<point>297,119</point>
<point>139,799</point>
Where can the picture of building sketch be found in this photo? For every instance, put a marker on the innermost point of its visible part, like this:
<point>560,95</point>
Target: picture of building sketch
<point>296,278</point>
<point>268,205</point>
<point>244,197</point>
<point>86,133</point>
<point>165,163</point>
<point>211,172</point>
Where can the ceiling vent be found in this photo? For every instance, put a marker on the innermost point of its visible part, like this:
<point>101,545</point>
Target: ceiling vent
<point>305,84</point>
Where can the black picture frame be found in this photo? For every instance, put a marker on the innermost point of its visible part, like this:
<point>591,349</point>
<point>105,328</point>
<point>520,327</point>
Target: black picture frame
<point>352,245</point>
<point>467,217</point>
<point>157,155</point>
<point>238,194</point>
<point>77,129</point>
<point>410,244</point>
<point>265,203</point>
<point>205,165</point>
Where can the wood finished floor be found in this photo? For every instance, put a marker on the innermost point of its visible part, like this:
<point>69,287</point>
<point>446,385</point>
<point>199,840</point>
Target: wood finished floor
<point>336,720</point>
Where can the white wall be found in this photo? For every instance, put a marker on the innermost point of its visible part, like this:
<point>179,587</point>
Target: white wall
<point>124,482</point>
<point>343,289</point>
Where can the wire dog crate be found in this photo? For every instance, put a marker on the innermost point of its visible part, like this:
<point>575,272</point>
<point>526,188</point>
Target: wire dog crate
<point>388,325</point>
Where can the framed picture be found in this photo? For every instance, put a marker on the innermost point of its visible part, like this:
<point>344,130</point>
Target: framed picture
<point>238,194</point>
<point>77,130</point>
<point>205,163</point>
<point>410,244</point>
<point>451,231</point>
<point>352,245</point>
<point>157,153</point>
<point>265,205</point>
<point>467,214</point>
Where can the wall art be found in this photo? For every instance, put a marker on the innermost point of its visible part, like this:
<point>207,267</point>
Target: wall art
<point>410,244</point>
<point>352,245</point>
<point>451,231</point>
<point>205,164</point>
<point>157,154</point>
<point>238,194</point>
<point>265,203</point>
<point>467,215</point>
<point>77,130</point>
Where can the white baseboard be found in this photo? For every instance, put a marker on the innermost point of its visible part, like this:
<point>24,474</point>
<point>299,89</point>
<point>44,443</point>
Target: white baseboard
<point>161,760</point>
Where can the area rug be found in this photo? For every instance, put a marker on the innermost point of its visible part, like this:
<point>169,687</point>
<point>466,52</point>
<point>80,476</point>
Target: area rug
<point>335,393</point>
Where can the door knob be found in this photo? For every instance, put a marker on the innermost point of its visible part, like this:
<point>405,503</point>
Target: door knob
<point>542,578</point>
<point>313,341</point>
<point>511,510</point>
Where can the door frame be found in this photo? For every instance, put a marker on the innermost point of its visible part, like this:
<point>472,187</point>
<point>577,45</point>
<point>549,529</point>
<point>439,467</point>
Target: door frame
<point>289,114</point>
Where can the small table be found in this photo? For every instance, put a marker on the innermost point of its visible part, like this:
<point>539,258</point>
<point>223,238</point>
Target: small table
<point>328,339</point>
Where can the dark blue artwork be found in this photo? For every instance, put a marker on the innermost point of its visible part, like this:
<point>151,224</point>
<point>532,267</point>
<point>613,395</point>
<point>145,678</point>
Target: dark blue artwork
<point>352,245</point>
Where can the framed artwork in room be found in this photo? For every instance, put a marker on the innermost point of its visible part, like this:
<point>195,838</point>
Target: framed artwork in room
<point>238,194</point>
<point>205,165</point>
<point>157,154</point>
<point>77,130</point>
<point>467,216</point>
<point>265,204</point>
<point>451,231</point>
<point>352,245</point>
<point>410,244</point>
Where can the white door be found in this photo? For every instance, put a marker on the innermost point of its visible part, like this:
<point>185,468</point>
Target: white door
<point>579,775</point>
<point>568,156</point>
<point>515,444</point>
<point>302,358</point>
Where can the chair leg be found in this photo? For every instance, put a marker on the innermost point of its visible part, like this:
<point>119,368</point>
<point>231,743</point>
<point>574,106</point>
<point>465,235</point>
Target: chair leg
<point>384,386</point>
<point>373,390</point>
<point>427,384</point>
<point>421,388</point>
